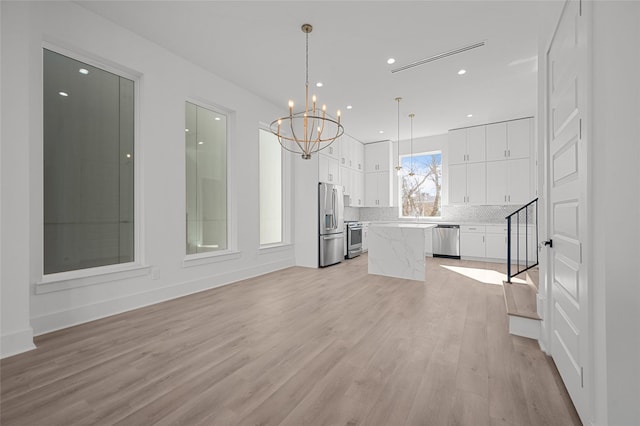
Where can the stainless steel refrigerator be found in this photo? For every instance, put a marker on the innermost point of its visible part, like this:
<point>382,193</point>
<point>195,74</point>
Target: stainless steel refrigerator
<point>331,219</point>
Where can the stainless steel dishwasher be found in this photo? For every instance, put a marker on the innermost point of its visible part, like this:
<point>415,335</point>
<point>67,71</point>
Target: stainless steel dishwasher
<point>446,241</point>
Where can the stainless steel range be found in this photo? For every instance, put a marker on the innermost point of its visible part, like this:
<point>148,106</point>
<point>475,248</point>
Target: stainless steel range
<point>354,239</point>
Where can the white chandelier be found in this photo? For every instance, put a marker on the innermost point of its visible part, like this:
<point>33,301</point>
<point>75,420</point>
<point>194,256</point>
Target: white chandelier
<point>311,130</point>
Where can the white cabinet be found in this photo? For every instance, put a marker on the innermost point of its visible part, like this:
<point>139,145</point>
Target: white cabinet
<point>377,187</point>
<point>509,140</point>
<point>472,241</point>
<point>346,180</point>
<point>357,199</point>
<point>467,145</point>
<point>346,151</point>
<point>508,182</point>
<point>359,157</point>
<point>351,153</point>
<point>519,136</point>
<point>496,242</point>
<point>377,157</point>
<point>329,169</point>
<point>353,183</point>
<point>467,183</point>
<point>332,150</point>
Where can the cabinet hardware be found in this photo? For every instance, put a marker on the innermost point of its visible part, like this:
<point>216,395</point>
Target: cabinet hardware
<point>505,152</point>
<point>548,243</point>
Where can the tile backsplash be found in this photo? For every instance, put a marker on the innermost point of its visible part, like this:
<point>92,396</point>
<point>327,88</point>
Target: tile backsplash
<point>454,214</point>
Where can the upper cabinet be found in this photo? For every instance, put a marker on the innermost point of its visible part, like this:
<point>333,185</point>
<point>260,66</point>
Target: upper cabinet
<point>332,150</point>
<point>510,140</point>
<point>491,164</point>
<point>467,145</point>
<point>377,157</point>
<point>351,153</point>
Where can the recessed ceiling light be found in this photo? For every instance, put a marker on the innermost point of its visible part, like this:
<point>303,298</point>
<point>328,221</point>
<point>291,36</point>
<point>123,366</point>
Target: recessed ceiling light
<point>83,71</point>
<point>349,107</point>
<point>217,118</point>
<point>186,130</point>
<point>319,84</point>
<point>462,72</point>
<point>381,131</point>
<point>469,115</point>
<point>391,61</point>
<point>200,143</point>
<point>128,155</point>
<point>65,94</point>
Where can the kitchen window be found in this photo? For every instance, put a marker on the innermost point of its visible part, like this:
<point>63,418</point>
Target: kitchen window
<point>88,159</point>
<point>271,189</point>
<point>206,168</point>
<point>420,182</point>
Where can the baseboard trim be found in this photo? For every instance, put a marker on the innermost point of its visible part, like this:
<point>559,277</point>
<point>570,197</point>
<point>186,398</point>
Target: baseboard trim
<point>94,311</point>
<point>16,343</point>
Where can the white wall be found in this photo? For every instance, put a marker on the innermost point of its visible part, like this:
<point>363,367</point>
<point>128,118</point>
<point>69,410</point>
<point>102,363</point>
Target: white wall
<point>306,216</point>
<point>166,81</point>
<point>615,211</point>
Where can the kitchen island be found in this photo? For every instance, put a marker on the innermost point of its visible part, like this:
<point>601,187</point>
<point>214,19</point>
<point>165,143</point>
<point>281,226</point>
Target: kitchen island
<point>397,249</point>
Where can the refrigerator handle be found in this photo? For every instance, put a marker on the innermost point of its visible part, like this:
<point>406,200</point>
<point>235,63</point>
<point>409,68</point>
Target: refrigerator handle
<point>333,207</point>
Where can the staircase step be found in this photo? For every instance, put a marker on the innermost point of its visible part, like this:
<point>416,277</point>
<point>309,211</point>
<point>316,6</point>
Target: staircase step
<point>521,302</point>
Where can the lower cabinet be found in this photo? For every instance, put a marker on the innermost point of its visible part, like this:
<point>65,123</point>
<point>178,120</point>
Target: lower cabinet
<point>496,242</point>
<point>472,241</point>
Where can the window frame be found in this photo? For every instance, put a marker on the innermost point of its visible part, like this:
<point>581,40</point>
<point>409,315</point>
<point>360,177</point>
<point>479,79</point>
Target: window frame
<point>283,158</point>
<point>46,283</point>
<point>231,252</point>
<point>287,187</point>
<point>431,152</point>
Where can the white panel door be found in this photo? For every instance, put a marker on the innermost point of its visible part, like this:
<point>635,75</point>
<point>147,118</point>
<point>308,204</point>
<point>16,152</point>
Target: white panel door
<point>568,227</point>
<point>457,146</point>
<point>496,141</point>
<point>497,182</point>
<point>457,184</point>
<point>476,183</point>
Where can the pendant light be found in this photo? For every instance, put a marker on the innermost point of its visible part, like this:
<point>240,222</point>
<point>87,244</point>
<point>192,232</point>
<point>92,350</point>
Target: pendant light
<point>411,173</point>
<point>399,165</point>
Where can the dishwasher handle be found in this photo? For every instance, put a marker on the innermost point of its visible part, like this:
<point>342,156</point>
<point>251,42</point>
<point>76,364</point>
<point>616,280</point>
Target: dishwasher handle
<point>448,226</point>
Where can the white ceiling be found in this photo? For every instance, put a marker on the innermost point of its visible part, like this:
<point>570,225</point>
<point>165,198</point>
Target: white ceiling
<point>259,45</point>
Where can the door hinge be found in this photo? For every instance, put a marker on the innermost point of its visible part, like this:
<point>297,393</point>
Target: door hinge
<point>581,377</point>
<point>548,243</point>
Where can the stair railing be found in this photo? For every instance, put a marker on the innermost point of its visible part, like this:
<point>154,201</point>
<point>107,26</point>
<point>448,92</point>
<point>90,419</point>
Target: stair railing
<point>526,217</point>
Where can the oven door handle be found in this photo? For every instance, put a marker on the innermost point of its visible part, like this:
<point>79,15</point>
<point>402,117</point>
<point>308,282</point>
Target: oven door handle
<point>355,227</point>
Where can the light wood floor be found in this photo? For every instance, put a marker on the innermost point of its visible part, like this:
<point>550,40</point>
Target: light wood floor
<point>300,346</point>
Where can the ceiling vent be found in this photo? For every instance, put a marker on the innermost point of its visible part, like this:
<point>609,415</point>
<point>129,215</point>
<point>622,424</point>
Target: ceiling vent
<point>439,56</point>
